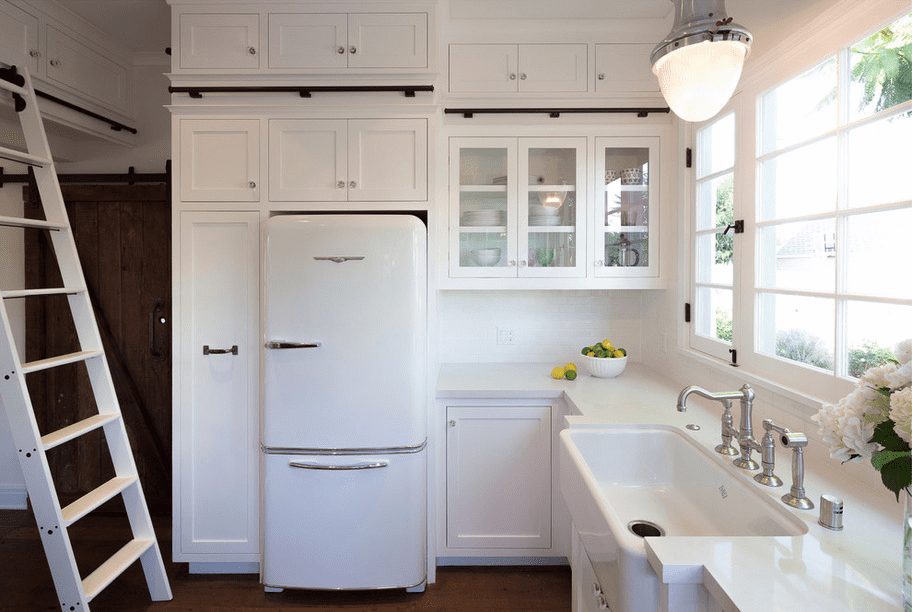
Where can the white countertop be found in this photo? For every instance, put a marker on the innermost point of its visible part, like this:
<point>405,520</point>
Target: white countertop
<point>858,568</point>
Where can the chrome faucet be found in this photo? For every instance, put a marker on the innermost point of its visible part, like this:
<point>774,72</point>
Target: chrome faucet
<point>768,454</point>
<point>744,433</point>
<point>796,497</point>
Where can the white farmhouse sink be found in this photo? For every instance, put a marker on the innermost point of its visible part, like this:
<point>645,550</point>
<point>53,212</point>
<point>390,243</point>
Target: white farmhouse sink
<point>612,477</point>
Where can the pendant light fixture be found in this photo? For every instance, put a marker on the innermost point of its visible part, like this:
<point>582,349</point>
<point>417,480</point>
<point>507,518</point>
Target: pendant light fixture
<point>699,63</point>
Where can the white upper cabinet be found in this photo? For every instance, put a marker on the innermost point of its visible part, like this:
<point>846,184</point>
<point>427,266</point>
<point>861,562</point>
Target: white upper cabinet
<point>19,36</point>
<point>498,68</point>
<point>217,41</point>
<point>75,65</point>
<point>387,159</point>
<point>388,40</point>
<point>220,160</point>
<point>308,160</point>
<point>484,68</point>
<point>553,68</point>
<point>308,40</point>
<point>624,68</point>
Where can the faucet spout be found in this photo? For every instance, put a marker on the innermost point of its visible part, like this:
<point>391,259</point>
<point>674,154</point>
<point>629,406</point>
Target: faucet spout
<point>744,433</point>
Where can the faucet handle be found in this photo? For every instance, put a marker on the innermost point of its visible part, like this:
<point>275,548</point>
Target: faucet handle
<point>796,497</point>
<point>768,455</point>
<point>770,427</point>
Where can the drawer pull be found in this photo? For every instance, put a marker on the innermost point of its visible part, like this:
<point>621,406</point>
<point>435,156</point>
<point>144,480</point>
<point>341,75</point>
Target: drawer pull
<point>281,344</point>
<point>365,465</point>
<point>211,351</point>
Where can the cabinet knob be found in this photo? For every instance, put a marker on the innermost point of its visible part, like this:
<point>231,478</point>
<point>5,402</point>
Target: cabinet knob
<point>512,76</point>
<point>511,263</point>
<point>451,423</point>
<point>352,184</point>
<point>251,50</point>
<point>522,76</point>
<point>252,184</point>
<point>340,50</point>
<point>599,263</point>
<point>353,49</point>
<point>54,62</point>
<point>34,53</point>
<point>340,185</point>
<point>522,263</point>
<point>601,76</point>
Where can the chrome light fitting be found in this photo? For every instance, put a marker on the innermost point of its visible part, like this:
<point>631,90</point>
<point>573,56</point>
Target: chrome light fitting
<point>699,63</point>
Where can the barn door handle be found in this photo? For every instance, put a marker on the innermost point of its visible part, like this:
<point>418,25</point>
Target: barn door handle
<point>156,318</point>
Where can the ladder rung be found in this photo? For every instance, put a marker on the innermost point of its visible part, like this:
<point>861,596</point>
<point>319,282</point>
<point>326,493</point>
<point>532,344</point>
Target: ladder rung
<point>23,157</point>
<point>12,88</point>
<point>53,362</point>
<point>31,223</point>
<point>22,293</point>
<point>95,582</point>
<point>95,498</point>
<point>56,438</point>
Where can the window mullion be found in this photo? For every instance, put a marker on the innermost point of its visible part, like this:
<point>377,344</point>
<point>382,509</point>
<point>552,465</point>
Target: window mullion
<point>840,365</point>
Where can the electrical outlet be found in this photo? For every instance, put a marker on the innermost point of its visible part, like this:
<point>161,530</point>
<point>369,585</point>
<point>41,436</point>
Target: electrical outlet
<point>504,336</point>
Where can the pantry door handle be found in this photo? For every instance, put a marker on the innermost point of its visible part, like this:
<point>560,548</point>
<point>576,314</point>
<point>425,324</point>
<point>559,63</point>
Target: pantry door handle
<point>366,465</point>
<point>281,344</point>
<point>211,351</point>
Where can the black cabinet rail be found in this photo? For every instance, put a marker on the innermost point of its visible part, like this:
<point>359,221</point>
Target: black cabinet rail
<point>130,177</point>
<point>468,113</point>
<point>304,91</point>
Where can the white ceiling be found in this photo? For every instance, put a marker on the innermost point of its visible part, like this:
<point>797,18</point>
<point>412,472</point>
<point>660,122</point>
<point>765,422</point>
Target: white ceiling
<point>137,25</point>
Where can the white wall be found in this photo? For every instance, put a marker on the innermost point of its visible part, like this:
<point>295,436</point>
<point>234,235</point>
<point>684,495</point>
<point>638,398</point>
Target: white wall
<point>547,326</point>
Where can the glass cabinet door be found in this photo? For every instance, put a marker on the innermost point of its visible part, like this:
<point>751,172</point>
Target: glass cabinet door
<point>483,207</point>
<point>626,211</point>
<point>551,207</point>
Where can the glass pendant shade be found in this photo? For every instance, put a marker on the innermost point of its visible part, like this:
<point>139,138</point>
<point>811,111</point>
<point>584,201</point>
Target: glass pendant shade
<point>698,80</point>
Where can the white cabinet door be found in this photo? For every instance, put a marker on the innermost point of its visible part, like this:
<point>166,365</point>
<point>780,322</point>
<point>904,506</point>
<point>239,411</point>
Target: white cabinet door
<point>216,419</point>
<point>387,40</point>
<point>219,41</point>
<point>308,160</point>
<point>76,66</point>
<point>624,68</point>
<point>483,68</point>
<point>220,160</point>
<point>308,40</point>
<point>19,36</point>
<point>498,477</point>
<point>553,68</point>
<point>387,159</point>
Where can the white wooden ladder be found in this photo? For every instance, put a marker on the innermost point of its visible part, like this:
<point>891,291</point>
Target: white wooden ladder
<point>74,592</point>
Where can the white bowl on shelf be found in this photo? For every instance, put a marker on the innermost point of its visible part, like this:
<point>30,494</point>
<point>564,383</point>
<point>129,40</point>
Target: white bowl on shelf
<point>486,257</point>
<point>604,367</point>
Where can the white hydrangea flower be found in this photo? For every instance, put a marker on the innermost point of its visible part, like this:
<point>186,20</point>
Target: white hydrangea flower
<point>878,376</point>
<point>901,413</point>
<point>903,351</point>
<point>900,377</point>
<point>827,418</point>
<point>861,413</point>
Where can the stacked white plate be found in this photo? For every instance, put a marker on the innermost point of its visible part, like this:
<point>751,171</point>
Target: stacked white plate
<point>483,218</point>
<point>540,220</point>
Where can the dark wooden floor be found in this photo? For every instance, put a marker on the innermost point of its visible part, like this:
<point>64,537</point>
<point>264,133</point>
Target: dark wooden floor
<point>25,581</point>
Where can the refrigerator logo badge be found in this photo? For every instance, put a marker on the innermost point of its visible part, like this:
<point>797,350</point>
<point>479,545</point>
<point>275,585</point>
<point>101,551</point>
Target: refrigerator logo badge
<point>339,259</point>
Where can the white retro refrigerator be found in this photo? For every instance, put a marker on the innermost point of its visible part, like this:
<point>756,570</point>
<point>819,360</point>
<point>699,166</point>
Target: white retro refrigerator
<point>344,420</point>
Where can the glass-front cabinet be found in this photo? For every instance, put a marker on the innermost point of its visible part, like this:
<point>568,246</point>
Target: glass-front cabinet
<point>517,207</point>
<point>625,212</point>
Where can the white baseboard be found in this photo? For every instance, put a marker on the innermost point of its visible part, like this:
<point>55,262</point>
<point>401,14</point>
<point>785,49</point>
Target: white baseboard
<point>251,567</point>
<point>13,497</point>
<point>498,561</point>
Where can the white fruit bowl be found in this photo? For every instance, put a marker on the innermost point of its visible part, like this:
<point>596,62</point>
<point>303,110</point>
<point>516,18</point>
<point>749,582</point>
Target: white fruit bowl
<point>604,367</point>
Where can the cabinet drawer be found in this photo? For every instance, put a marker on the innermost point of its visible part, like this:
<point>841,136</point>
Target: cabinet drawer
<point>220,160</point>
<point>483,68</point>
<point>76,66</point>
<point>624,68</point>
<point>308,40</point>
<point>219,41</point>
<point>387,40</point>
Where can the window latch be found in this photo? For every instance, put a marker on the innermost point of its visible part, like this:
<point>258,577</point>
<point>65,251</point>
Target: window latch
<point>738,226</point>
<point>734,357</point>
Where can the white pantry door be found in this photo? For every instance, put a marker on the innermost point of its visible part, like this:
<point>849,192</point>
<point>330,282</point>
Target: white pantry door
<point>387,160</point>
<point>220,160</point>
<point>308,160</point>
<point>216,418</point>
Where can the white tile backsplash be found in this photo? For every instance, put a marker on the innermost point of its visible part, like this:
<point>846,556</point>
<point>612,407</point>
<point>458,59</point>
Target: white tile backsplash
<point>547,326</point>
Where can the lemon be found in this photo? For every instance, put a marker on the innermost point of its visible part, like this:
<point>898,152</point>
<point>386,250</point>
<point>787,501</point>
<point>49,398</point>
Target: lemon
<point>557,373</point>
<point>590,354</point>
<point>570,366</point>
<point>607,345</point>
<point>570,374</point>
<point>622,351</point>
<point>619,354</point>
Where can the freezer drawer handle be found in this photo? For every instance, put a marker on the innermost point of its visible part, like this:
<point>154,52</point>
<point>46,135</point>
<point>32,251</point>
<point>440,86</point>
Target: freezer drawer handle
<point>279,344</point>
<point>366,465</point>
<point>211,351</point>
<point>339,259</point>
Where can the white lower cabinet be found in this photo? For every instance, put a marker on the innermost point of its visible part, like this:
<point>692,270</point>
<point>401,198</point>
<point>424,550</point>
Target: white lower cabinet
<point>216,475</point>
<point>499,477</point>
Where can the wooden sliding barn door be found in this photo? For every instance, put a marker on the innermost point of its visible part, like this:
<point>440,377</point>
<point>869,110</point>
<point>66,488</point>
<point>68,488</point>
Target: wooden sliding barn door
<point>123,235</point>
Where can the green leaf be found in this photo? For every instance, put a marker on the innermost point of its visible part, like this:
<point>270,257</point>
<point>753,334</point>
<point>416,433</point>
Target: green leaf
<point>887,437</point>
<point>897,475</point>
<point>882,458</point>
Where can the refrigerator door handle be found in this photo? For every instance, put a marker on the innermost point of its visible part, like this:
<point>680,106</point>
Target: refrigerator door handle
<point>281,344</point>
<point>365,465</point>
